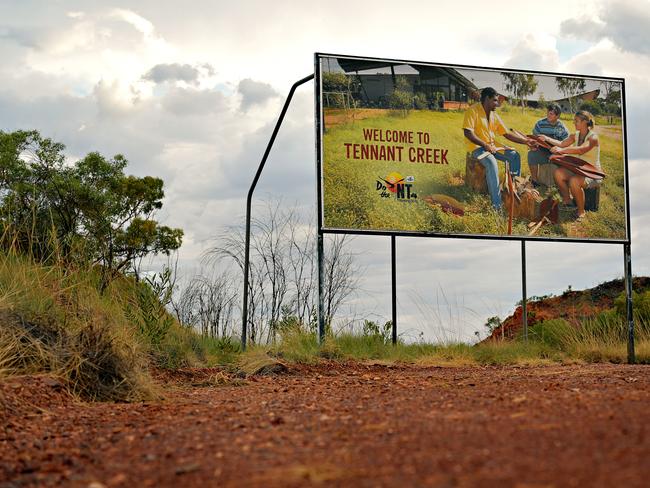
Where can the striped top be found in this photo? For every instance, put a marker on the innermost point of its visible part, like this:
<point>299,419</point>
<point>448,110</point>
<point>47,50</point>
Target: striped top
<point>557,131</point>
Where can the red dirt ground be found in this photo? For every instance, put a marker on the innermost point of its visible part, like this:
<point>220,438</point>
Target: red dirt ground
<point>340,425</point>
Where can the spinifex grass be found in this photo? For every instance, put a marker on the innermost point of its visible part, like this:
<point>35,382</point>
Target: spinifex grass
<point>54,320</point>
<point>604,339</point>
<point>303,347</point>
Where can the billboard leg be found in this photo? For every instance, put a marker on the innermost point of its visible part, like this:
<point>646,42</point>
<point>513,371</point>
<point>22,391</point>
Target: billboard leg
<point>249,199</point>
<point>321,286</point>
<point>524,314</point>
<point>394,288</point>
<point>627,255</point>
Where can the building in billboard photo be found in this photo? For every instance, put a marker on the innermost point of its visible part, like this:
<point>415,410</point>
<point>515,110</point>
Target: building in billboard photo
<point>459,151</point>
<point>372,82</point>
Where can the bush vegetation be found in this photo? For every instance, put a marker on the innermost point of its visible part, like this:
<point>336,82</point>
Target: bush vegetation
<point>72,300</point>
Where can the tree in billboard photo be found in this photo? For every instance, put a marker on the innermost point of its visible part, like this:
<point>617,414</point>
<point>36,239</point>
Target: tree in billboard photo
<point>444,150</point>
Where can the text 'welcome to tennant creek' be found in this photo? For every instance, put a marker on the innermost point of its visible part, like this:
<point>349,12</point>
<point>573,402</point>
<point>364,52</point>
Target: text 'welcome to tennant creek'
<point>396,145</point>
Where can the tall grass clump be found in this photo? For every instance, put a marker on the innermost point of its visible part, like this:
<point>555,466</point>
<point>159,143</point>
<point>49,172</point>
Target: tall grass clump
<point>183,347</point>
<point>53,319</point>
<point>601,338</point>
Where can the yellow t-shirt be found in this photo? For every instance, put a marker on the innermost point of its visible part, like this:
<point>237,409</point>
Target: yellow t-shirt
<point>476,120</point>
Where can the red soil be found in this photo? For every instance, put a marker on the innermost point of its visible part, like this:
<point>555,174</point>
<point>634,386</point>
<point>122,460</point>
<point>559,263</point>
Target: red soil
<point>339,425</point>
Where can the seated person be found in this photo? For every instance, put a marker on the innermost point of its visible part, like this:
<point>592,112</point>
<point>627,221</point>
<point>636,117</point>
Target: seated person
<point>585,145</point>
<point>553,131</point>
<point>479,127</point>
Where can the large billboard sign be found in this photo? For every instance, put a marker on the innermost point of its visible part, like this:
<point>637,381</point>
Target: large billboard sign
<point>444,150</point>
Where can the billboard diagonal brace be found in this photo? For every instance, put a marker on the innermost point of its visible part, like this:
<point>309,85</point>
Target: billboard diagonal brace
<point>250,198</point>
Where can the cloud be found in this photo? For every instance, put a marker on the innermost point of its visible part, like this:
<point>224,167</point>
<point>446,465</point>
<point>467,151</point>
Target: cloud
<point>172,72</point>
<point>623,22</point>
<point>254,93</point>
<point>113,98</point>
<point>137,21</point>
<point>533,53</point>
<point>183,102</point>
<point>23,37</point>
<point>586,29</point>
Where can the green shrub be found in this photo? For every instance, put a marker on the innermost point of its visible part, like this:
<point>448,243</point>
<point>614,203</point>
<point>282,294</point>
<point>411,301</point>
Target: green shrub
<point>591,106</point>
<point>420,101</point>
<point>554,333</point>
<point>376,332</point>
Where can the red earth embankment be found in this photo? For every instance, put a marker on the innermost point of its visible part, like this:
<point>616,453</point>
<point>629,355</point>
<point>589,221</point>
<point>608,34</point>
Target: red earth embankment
<point>573,306</point>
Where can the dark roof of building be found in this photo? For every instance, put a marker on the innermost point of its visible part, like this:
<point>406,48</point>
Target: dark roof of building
<point>352,65</point>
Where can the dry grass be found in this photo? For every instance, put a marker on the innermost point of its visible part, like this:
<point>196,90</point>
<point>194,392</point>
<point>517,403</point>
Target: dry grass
<point>53,320</point>
<point>256,361</point>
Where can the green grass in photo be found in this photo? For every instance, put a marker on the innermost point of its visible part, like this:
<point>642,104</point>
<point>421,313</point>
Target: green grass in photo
<point>353,201</point>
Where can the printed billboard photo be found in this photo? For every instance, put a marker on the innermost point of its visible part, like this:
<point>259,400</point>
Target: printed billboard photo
<point>447,150</point>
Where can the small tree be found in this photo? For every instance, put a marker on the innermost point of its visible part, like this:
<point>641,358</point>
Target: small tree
<point>337,90</point>
<point>402,97</point>
<point>493,323</point>
<point>520,85</point>
<point>335,82</point>
<point>612,101</point>
<point>611,89</point>
<point>570,87</point>
<point>283,282</point>
<point>88,210</point>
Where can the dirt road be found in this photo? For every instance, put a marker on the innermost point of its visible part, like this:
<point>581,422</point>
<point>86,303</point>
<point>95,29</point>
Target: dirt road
<point>340,425</point>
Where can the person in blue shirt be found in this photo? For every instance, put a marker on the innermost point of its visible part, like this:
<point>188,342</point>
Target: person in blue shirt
<point>553,131</point>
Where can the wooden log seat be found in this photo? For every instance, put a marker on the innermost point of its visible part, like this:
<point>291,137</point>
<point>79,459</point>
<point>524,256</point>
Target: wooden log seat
<point>475,174</point>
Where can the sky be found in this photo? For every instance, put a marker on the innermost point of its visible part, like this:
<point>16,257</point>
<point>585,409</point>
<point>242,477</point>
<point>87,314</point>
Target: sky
<point>190,92</point>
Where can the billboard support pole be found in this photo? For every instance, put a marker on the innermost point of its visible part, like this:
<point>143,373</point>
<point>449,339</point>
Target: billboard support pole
<point>627,256</point>
<point>249,199</point>
<point>394,289</point>
<point>524,314</point>
<point>321,287</point>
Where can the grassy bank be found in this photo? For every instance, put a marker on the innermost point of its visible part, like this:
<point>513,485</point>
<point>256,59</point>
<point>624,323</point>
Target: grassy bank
<point>567,345</point>
<point>53,319</point>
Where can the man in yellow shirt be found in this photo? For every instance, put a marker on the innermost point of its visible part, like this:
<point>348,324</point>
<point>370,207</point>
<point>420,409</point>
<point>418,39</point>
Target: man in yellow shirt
<point>480,126</point>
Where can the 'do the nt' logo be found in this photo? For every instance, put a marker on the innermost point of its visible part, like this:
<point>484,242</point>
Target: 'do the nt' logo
<point>395,183</point>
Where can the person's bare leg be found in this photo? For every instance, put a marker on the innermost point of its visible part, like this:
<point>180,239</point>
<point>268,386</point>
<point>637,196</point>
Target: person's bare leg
<point>576,183</point>
<point>534,171</point>
<point>560,176</point>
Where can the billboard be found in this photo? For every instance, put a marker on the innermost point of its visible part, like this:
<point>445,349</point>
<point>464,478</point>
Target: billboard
<point>446,150</point>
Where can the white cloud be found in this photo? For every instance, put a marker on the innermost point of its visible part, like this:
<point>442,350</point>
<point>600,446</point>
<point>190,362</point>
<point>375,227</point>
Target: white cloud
<point>254,93</point>
<point>535,53</point>
<point>172,72</point>
<point>623,22</point>
<point>137,21</point>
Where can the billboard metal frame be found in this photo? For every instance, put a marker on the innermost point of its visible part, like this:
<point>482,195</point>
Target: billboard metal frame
<point>627,258</point>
